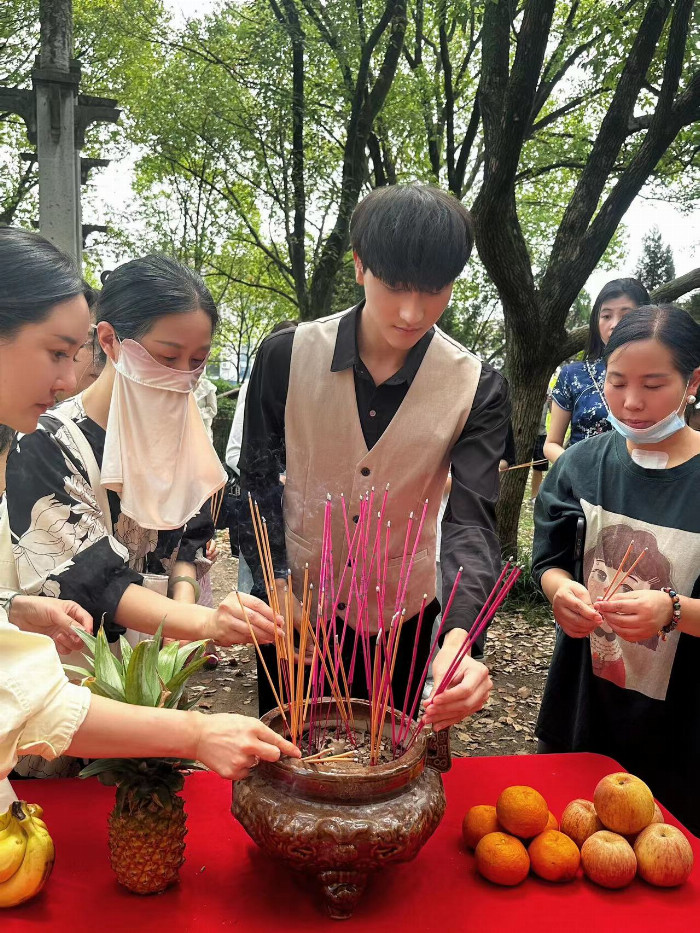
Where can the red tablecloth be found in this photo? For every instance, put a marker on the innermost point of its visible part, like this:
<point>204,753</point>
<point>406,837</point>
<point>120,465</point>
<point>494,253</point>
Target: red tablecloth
<point>226,882</point>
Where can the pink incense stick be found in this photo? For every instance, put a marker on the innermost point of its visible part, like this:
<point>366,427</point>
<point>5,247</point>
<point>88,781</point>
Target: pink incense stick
<point>403,559</point>
<point>469,640</point>
<point>431,654</point>
<point>401,597</point>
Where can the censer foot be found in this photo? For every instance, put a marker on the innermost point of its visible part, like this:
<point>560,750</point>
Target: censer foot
<point>341,892</point>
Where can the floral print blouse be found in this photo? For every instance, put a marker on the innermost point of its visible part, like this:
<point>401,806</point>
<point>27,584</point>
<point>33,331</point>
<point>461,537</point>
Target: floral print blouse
<point>579,389</point>
<point>61,545</point>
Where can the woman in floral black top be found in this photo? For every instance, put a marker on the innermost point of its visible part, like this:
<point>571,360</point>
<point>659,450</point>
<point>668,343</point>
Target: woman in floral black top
<point>577,397</point>
<point>64,545</point>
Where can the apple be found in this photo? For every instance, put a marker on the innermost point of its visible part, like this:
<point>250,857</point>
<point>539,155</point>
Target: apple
<point>664,855</point>
<point>579,820</point>
<point>624,803</point>
<point>608,859</point>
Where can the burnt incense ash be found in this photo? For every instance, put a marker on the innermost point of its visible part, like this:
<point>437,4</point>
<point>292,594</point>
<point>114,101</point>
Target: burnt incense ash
<point>309,659</point>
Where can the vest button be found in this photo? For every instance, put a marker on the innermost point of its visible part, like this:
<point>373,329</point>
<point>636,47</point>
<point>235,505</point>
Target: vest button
<point>372,413</point>
<point>365,471</point>
<point>356,518</point>
<point>341,606</point>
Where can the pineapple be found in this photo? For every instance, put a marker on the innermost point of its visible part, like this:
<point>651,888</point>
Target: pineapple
<point>147,825</point>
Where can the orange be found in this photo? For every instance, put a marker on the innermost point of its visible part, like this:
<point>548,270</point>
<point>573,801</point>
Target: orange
<point>477,822</point>
<point>502,859</point>
<point>522,811</point>
<point>554,856</point>
<point>552,821</point>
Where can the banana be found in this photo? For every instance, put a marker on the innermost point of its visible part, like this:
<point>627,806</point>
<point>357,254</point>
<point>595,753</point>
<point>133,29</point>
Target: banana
<point>36,867</point>
<point>13,844</point>
<point>5,819</point>
<point>35,810</point>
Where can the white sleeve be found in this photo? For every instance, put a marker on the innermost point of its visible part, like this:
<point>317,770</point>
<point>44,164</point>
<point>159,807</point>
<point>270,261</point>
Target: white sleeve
<point>40,711</point>
<point>235,438</point>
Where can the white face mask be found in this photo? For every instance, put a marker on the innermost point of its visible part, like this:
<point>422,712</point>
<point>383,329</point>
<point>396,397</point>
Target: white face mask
<point>655,433</point>
<point>157,456</point>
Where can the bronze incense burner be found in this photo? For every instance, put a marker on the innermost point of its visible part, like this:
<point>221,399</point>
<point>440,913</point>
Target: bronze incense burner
<point>340,821</point>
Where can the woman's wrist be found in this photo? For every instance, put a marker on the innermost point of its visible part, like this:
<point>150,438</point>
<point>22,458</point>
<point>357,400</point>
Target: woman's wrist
<point>690,616</point>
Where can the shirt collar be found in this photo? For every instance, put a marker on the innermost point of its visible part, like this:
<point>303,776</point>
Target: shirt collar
<point>346,352</point>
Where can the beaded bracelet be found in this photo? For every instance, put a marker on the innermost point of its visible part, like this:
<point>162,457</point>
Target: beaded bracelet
<point>675,613</point>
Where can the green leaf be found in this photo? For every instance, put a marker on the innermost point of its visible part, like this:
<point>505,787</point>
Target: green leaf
<point>97,767</point>
<point>126,650</point>
<point>80,671</point>
<point>108,670</point>
<point>176,684</point>
<point>194,648</point>
<point>141,685</point>
<point>167,661</point>
<point>88,640</point>
<point>102,689</point>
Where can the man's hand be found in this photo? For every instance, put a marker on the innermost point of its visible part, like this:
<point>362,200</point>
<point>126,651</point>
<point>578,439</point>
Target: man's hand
<point>53,617</point>
<point>469,688</point>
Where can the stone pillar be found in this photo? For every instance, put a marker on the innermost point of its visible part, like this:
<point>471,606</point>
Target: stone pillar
<point>56,80</point>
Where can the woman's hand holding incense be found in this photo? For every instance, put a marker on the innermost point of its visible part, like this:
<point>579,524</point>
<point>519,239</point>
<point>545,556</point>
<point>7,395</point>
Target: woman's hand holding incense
<point>231,745</point>
<point>53,617</point>
<point>231,625</point>
<point>281,587</point>
<point>573,609</point>
<point>469,688</point>
<point>637,615</point>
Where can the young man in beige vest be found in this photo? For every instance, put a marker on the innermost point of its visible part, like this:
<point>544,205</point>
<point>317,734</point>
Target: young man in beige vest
<point>375,395</point>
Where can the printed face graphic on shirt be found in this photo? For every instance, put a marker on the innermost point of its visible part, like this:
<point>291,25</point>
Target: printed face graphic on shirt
<point>642,666</point>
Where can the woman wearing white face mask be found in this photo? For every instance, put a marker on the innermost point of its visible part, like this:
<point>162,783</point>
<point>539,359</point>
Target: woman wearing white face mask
<point>43,321</point>
<point>109,497</point>
<point>623,678</point>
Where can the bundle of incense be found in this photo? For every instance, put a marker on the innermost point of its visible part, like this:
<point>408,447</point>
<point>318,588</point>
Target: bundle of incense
<point>302,693</point>
<point>493,603</point>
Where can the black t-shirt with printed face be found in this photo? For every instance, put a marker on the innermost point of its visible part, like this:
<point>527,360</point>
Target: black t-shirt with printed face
<point>638,703</point>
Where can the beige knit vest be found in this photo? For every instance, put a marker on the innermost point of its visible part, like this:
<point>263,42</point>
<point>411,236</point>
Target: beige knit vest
<point>327,454</point>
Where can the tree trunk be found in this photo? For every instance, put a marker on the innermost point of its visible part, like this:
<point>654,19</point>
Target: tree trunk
<point>529,371</point>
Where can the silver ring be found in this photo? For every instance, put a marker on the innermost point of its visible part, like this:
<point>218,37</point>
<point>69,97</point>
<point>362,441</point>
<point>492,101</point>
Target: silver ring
<point>256,761</point>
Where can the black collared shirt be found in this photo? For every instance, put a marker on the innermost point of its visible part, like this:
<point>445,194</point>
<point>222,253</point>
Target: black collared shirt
<point>469,537</point>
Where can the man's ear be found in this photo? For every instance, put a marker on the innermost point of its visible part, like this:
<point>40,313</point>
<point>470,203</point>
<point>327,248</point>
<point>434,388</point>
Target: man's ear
<point>108,340</point>
<point>359,271</point>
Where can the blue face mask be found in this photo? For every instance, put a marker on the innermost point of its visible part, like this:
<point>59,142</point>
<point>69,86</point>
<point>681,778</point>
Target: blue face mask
<point>654,434</point>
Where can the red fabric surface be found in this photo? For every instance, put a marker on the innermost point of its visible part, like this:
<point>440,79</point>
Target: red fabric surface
<point>227,883</point>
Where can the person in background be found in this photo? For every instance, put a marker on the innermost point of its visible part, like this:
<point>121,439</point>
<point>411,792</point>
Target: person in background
<point>540,464</point>
<point>623,679</point>
<point>43,322</point>
<point>578,400</point>
<point>205,397</point>
<point>233,454</point>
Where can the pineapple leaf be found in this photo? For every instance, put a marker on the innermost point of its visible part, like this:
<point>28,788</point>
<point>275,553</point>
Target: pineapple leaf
<point>108,670</point>
<point>141,686</point>
<point>167,661</point>
<point>87,639</point>
<point>126,650</point>
<point>100,766</point>
<point>189,652</point>
<point>80,671</point>
<point>102,689</point>
<point>177,683</point>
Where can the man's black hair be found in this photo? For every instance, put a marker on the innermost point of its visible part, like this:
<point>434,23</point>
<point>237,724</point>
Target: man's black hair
<point>412,236</point>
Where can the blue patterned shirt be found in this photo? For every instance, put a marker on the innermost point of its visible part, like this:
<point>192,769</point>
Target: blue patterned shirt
<point>579,389</point>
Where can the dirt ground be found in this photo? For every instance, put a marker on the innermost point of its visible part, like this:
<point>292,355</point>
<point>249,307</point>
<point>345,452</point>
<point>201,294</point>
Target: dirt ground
<point>518,650</point>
